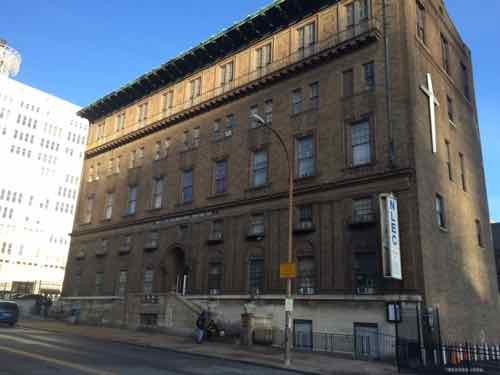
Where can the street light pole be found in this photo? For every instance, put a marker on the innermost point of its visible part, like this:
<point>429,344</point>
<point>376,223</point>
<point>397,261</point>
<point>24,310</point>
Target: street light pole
<point>288,313</point>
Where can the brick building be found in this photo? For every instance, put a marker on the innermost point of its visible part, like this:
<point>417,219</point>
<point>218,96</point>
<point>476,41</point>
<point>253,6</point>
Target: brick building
<point>184,192</point>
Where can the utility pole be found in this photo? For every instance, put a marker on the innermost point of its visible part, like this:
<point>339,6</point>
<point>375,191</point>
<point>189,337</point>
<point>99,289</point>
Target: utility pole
<point>288,312</point>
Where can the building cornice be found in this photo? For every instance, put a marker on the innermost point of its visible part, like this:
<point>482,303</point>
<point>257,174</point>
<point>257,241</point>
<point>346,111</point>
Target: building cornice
<point>276,16</point>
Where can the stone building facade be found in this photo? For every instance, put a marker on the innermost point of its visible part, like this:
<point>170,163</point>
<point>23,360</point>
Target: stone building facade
<point>184,195</point>
<point>495,229</point>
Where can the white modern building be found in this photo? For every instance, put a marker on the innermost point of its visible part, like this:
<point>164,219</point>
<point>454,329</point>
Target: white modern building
<point>41,148</point>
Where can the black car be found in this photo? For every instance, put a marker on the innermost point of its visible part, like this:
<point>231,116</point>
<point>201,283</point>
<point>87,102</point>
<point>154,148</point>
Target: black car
<point>9,312</point>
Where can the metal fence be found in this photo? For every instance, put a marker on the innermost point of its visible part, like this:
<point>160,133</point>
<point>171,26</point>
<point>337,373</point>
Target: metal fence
<point>361,345</point>
<point>453,358</point>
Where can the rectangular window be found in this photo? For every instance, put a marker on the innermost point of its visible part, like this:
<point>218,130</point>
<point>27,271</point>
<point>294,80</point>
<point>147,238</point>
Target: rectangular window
<point>314,95</point>
<point>348,83</point>
<point>152,240</point>
<point>450,109</point>
<point>214,277</point>
<point>304,157</point>
<point>185,140</point>
<point>296,101</point>
<point>465,80</point>
<point>99,277</point>
<point>117,164</point>
<point>360,143</point>
<point>166,146</point>
<point>445,48</point>
<point>196,137</point>
<point>226,73</point>
<point>120,121</point>
<point>440,215</point>
<point>216,131</point>
<point>362,211</point>
<point>448,160</point>
<point>108,208</point>
<point>268,111</point>
<point>88,209</point>
<point>132,200</point>
<point>158,186</point>
<point>157,154</point>
<point>122,283</point>
<point>305,214</point>
<point>306,39</point>
<point>254,111</point>
<point>256,275</point>
<point>78,281</point>
<point>306,275</point>
<point>230,125</point>
<point>263,56</point>
<point>195,88</point>
<point>420,21</point>
<point>257,226</point>
<point>462,171</point>
<point>365,272</point>
<point>220,177</point>
<point>147,283</point>
<point>111,163</point>
<point>142,113</point>
<point>167,101</point>
<point>132,159</point>
<point>187,187</point>
<point>479,233</point>
<point>363,9</point>
<point>369,74</point>
<point>90,177</point>
<point>350,15</point>
<point>259,168</point>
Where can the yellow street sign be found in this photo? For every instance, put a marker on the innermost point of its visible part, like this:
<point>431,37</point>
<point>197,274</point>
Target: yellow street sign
<point>288,271</point>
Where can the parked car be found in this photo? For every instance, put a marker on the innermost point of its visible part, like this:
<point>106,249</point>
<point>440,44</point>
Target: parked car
<point>9,312</point>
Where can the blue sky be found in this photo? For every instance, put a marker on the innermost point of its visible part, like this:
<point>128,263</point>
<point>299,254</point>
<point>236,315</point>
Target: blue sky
<point>80,50</point>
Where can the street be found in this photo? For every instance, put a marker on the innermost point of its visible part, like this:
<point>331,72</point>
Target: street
<point>28,351</point>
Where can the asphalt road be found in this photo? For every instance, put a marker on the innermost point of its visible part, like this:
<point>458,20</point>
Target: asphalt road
<point>26,351</point>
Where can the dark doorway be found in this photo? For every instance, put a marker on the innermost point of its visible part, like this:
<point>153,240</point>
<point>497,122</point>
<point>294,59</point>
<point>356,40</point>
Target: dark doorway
<point>177,271</point>
<point>302,334</point>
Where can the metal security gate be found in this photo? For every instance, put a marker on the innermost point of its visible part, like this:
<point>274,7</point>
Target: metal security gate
<point>366,341</point>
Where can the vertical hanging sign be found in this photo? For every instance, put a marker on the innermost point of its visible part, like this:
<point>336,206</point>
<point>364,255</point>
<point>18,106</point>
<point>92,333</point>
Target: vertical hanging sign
<point>390,236</point>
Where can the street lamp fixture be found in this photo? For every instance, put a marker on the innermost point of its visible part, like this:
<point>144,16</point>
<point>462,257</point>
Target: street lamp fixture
<point>288,313</point>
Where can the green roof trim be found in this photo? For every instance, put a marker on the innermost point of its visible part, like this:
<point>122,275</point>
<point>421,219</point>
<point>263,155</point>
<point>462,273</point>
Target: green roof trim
<point>275,16</point>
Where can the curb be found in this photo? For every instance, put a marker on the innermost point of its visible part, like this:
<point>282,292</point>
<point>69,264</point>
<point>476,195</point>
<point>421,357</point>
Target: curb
<point>204,355</point>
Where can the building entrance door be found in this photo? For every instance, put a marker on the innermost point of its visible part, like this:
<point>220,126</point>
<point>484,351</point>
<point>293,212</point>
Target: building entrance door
<point>366,341</point>
<point>177,271</point>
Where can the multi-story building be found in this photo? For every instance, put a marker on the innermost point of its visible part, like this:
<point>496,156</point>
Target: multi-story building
<point>41,147</point>
<point>185,190</point>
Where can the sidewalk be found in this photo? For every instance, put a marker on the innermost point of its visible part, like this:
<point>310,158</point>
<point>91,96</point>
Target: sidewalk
<point>311,363</point>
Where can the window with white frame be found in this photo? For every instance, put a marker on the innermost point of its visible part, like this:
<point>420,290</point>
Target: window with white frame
<point>158,187</point>
<point>314,95</point>
<point>120,121</point>
<point>304,156</point>
<point>296,101</point>
<point>306,275</point>
<point>187,186</point>
<point>268,111</point>
<point>157,153</point>
<point>226,73</point>
<point>263,56</point>
<point>254,110</point>
<point>167,101</point>
<point>147,282</point>
<point>87,218</point>
<point>122,283</point>
<point>306,38</point>
<point>131,200</point>
<point>440,214</point>
<point>142,113</point>
<point>360,143</point>
<point>108,208</point>
<point>257,224</point>
<point>259,168</point>
<point>220,176</point>
<point>195,88</point>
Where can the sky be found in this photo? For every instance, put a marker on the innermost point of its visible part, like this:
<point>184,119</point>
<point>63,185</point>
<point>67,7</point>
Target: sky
<point>81,50</point>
